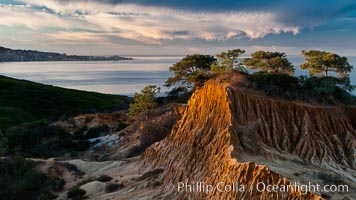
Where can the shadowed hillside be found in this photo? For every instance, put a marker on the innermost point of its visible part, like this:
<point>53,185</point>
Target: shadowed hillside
<point>24,101</point>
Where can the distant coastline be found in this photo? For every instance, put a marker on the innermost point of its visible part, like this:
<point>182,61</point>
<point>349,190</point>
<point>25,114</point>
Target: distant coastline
<point>11,55</point>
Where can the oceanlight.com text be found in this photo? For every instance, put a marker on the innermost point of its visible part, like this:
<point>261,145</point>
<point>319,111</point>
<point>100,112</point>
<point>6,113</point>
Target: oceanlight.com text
<point>201,186</point>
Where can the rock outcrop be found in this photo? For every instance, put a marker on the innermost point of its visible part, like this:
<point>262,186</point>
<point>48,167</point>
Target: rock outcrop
<point>221,122</point>
<point>317,134</point>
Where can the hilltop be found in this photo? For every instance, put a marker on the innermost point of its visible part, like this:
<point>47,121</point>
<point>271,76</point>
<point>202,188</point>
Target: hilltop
<point>10,55</point>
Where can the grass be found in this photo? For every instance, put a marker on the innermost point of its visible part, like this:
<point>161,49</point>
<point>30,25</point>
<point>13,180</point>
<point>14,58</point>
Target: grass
<point>25,101</point>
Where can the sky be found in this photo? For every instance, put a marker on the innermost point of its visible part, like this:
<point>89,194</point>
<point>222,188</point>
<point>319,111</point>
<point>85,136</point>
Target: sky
<point>178,27</point>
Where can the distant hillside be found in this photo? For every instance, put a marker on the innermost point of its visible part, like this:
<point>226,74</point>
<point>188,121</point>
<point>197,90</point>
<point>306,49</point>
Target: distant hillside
<point>10,55</point>
<point>24,101</point>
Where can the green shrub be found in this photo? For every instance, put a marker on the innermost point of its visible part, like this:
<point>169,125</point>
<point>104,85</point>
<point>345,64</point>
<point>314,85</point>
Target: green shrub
<point>322,89</point>
<point>179,94</point>
<point>3,143</point>
<point>319,86</point>
<point>104,178</point>
<point>284,81</point>
<point>328,88</point>
<point>95,132</point>
<point>330,179</point>
<point>76,193</point>
<point>85,181</point>
<point>112,187</point>
<point>277,84</point>
<point>152,133</point>
<point>135,151</point>
<point>41,140</point>
<point>20,180</point>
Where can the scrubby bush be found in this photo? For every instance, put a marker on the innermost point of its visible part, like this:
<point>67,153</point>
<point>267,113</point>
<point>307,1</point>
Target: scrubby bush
<point>328,88</point>
<point>322,89</point>
<point>154,130</point>
<point>277,84</point>
<point>271,62</point>
<point>112,187</point>
<point>3,143</point>
<point>152,133</point>
<point>319,86</point>
<point>191,71</point>
<point>283,81</point>
<point>76,193</point>
<point>135,151</point>
<point>85,181</point>
<point>121,126</point>
<point>330,179</point>
<point>227,61</point>
<point>144,102</point>
<point>19,180</point>
<point>157,129</point>
<point>104,178</point>
<point>41,140</point>
<point>321,63</point>
<point>95,132</point>
<point>179,94</point>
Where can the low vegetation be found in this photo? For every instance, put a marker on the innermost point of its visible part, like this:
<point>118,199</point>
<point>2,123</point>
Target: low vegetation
<point>112,187</point>
<point>275,62</point>
<point>227,61</point>
<point>24,101</point>
<point>153,132</point>
<point>104,178</point>
<point>150,129</point>
<point>190,72</point>
<point>144,102</point>
<point>76,193</point>
<point>40,140</point>
<point>328,82</point>
<point>321,63</point>
<point>328,90</point>
<point>19,179</point>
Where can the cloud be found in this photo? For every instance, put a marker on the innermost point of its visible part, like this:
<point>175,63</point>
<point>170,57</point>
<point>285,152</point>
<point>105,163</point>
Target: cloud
<point>25,15</point>
<point>184,26</point>
<point>146,24</point>
<point>293,12</point>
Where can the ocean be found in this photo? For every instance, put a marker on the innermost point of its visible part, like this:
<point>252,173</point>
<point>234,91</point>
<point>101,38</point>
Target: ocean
<point>111,77</point>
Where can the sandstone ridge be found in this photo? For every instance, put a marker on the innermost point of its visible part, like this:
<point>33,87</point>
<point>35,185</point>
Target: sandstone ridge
<point>222,122</point>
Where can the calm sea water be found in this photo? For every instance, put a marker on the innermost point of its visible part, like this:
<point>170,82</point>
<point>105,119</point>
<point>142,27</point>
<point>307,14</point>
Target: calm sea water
<point>112,77</point>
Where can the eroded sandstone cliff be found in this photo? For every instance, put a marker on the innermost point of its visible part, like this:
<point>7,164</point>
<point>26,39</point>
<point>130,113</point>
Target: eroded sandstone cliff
<point>222,122</point>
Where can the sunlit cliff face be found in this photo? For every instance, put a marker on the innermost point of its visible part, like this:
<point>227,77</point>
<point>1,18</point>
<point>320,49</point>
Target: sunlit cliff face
<point>222,123</point>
